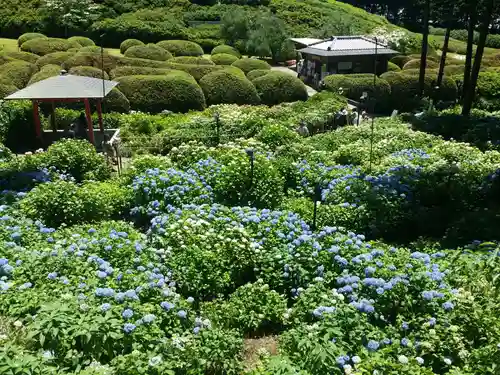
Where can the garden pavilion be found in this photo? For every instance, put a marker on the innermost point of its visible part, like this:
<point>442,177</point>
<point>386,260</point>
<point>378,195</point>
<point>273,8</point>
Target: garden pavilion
<point>66,88</point>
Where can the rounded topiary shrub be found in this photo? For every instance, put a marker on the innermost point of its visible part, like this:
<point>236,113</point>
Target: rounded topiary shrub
<point>5,59</point>
<point>223,59</point>
<point>6,90</point>
<point>224,87</point>
<point>139,70</point>
<point>197,71</point>
<point>132,61</point>
<point>90,59</point>
<point>227,50</point>
<point>400,60</point>
<point>29,36</point>
<point>149,51</point>
<point>257,73</point>
<point>277,87</point>
<point>415,64</point>
<point>157,93</point>
<point>18,72</point>
<point>47,71</point>
<point>25,56</point>
<point>126,44</point>
<point>193,60</point>
<point>88,71</point>
<point>44,46</point>
<point>391,67</point>
<point>181,47</point>
<point>94,49</point>
<point>452,70</point>
<point>116,101</point>
<point>54,58</point>
<point>416,72</point>
<point>247,65</point>
<point>82,40</point>
<point>353,86</point>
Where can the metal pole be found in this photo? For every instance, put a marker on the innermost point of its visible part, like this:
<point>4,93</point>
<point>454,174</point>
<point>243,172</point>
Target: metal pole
<point>317,197</point>
<point>373,106</point>
<point>102,69</point>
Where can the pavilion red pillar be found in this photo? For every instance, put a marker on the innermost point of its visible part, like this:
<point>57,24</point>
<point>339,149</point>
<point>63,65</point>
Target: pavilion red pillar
<point>36,118</point>
<point>99,115</point>
<point>89,121</point>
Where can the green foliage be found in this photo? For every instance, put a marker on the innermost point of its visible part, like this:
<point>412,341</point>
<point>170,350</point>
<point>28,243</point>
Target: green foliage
<point>224,87</point>
<point>18,72</point>
<point>199,71</point>
<point>138,70</point>
<point>353,86</point>
<point>44,46</point>
<point>223,59</point>
<point>392,67</point>
<point>129,61</point>
<point>253,74</point>
<point>63,202</point>
<point>54,58</point>
<point>226,50</point>
<point>234,26</point>
<point>90,59</point>
<point>82,40</point>
<point>156,93</point>
<point>116,101</point>
<point>192,60</point>
<point>248,64</point>
<point>126,44</point>
<point>452,70</point>
<point>88,71</point>
<point>400,60</point>
<point>45,72</point>
<point>28,36</point>
<point>149,51</point>
<point>181,47</point>
<point>414,64</point>
<point>6,90</point>
<point>25,56</point>
<point>277,87</point>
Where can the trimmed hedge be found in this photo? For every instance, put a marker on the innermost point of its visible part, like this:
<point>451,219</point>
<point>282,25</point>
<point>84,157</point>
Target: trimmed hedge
<point>257,73</point>
<point>353,86</point>
<point>54,58</point>
<point>149,51</point>
<point>181,47</point>
<point>434,58</point>
<point>123,71</point>
<point>93,49</point>
<point>431,72</point>
<point>47,71</point>
<point>277,87</point>
<point>82,40</point>
<point>415,64</point>
<point>400,60</point>
<point>225,87</point>
<point>18,72</point>
<point>223,59</point>
<point>247,65</point>
<point>44,46</point>
<point>488,85</point>
<point>197,71</point>
<point>391,67</point>
<point>5,59</point>
<point>227,50</point>
<point>88,71</point>
<point>6,90</point>
<point>90,59</point>
<point>172,91</point>
<point>29,36</point>
<point>192,60</point>
<point>116,101</point>
<point>452,70</point>
<point>24,56</point>
<point>132,61</point>
<point>126,44</point>
<point>404,89</point>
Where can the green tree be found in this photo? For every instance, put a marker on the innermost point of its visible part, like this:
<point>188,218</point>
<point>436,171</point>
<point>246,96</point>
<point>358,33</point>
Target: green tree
<point>70,14</point>
<point>235,26</point>
<point>269,38</point>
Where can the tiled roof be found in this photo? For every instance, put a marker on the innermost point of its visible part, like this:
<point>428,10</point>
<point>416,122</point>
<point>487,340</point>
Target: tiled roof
<point>347,46</point>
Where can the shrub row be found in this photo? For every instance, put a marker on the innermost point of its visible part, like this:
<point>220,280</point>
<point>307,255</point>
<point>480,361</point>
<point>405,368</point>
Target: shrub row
<point>149,51</point>
<point>44,46</point>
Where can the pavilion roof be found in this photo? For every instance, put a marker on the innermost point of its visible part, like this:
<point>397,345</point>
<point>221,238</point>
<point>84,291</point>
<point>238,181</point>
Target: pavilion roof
<point>347,46</point>
<point>65,87</point>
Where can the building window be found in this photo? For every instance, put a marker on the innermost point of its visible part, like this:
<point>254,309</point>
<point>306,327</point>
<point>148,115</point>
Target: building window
<point>344,67</point>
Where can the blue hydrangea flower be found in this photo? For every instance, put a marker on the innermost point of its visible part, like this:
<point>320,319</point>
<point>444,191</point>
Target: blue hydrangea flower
<point>127,314</point>
<point>167,305</point>
<point>129,327</point>
<point>373,345</point>
<point>182,314</point>
<point>105,307</point>
<point>448,306</point>
<point>149,318</point>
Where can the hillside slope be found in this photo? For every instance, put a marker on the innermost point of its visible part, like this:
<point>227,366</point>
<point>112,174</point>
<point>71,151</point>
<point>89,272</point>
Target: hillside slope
<point>163,19</point>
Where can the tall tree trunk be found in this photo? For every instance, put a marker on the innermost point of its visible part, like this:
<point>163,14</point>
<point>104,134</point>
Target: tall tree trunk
<point>425,47</point>
<point>443,56</point>
<point>470,92</point>
<point>470,46</point>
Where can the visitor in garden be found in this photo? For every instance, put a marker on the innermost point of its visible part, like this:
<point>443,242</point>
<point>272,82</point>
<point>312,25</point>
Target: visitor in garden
<point>108,149</point>
<point>80,127</point>
<point>303,130</point>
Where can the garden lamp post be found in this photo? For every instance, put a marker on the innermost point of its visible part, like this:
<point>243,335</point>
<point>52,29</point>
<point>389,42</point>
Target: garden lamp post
<point>375,63</point>
<point>217,126</point>
<point>317,198</point>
